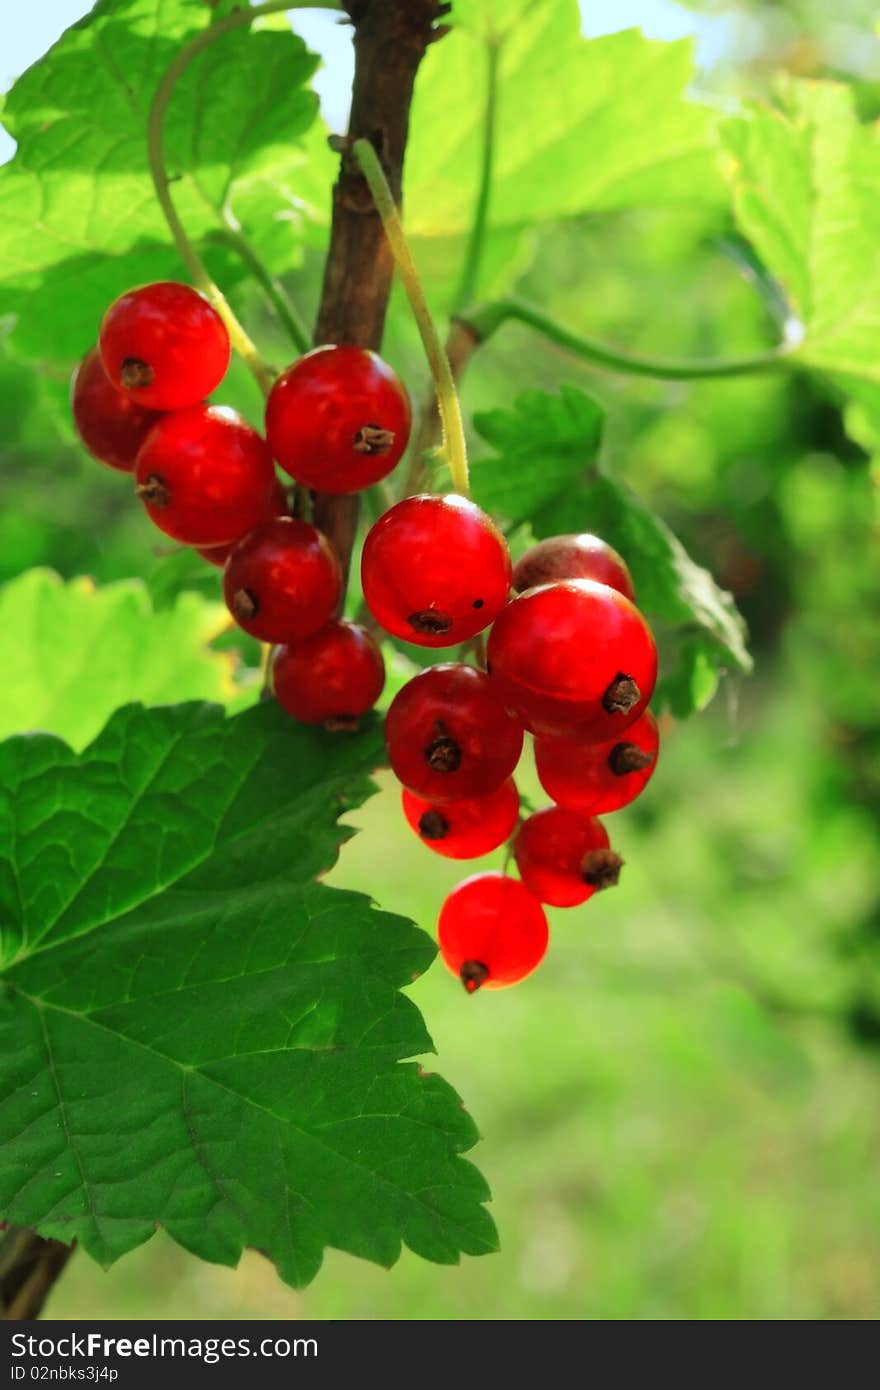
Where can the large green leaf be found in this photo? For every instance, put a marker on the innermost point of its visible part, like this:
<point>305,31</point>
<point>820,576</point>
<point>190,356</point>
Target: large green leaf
<point>805,175</point>
<point>582,125</point>
<point>79,220</point>
<point>193,1033</point>
<point>545,474</point>
<point>71,653</point>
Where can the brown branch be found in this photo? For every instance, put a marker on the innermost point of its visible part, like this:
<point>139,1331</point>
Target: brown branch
<point>29,1266</point>
<point>390,38</point>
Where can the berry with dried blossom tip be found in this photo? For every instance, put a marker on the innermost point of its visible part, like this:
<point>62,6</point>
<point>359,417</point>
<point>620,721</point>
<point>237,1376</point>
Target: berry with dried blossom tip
<point>204,476</point>
<point>595,778</point>
<point>575,659</point>
<point>565,858</point>
<point>338,419</point>
<point>435,570</point>
<point>110,424</point>
<point>464,829</point>
<point>219,554</point>
<point>164,345</point>
<point>573,557</point>
<point>492,932</point>
<point>332,678</point>
<point>449,737</point>
<point>282,582</point>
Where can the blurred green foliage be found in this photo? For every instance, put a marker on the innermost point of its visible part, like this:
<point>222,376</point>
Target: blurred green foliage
<point>679,1110</point>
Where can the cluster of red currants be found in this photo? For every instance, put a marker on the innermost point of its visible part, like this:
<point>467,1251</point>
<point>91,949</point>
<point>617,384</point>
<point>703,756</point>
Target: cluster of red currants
<point>569,656</point>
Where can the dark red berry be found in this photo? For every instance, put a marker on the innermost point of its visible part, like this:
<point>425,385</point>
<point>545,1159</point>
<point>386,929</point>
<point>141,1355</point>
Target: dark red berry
<point>204,475</point>
<point>492,932</point>
<point>435,570</point>
<point>595,778</point>
<point>164,345</point>
<point>448,735</point>
<point>574,658</point>
<point>464,829</point>
<point>572,557</point>
<point>219,554</point>
<point>110,424</point>
<point>283,581</point>
<point>338,419</point>
<point>332,678</point>
<point>565,858</point>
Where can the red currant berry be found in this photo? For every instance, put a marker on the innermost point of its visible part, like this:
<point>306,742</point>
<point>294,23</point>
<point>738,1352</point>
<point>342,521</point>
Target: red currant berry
<point>111,425</point>
<point>564,858</point>
<point>573,557</point>
<point>573,658</point>
<point>448,735</point>
<point>464,829</point>
<point>435,570</point>
<point>204,476</point>
<point>282,581</point>
<point>492,932</point>
<point>219,554</point>
<point>338,419</point>
<point>595,778</point>
<point>165,345</point>
<point>332,678</point>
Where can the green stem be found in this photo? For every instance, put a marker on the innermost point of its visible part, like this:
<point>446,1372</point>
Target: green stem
<point>454,445</point>
<point>271,287</point>
<point>476,241</point>
<point>156,155</point>
<point>485,320</point>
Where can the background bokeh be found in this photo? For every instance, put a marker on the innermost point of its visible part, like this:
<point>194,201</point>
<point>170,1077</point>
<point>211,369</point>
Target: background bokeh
<point>680,1110</point>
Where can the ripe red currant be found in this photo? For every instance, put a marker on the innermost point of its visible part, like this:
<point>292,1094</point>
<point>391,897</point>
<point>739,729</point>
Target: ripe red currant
<point>573,557</point>
<point>338,419</point>
<point>110,424</point>
<point>564,858</point>
<point>464,829</point>
<point>219,554</point>
<point>282,581</point>
<point>332,678</point>
<point>204,476</point>
<point>574,658</point>
<point>435,570</point>
<point>492,932</point>
<point>448,735</point>
<point>595,778</point>
<point>165,345</point>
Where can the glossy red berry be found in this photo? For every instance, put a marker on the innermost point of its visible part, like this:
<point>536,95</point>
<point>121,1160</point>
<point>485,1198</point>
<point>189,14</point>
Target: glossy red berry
<point>283,581</point>
<point>572,557</point>
<point>435,570</point>
<point>492,932</point>
<point>164,345</point>
<point>595,778</point>
<point>574,658</point>
<point>464,829</point>
<point>219,554</point>
<point>565,858</point>
<point>110,424</point>
<point>204,475</point>
<point>448,735</point>
<point>332,678</point>
<point>338,419</point>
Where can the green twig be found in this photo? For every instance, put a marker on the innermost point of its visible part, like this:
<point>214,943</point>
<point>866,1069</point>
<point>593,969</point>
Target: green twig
<point>271,287</point>
<point>488,318</point>
<point>454,445</point>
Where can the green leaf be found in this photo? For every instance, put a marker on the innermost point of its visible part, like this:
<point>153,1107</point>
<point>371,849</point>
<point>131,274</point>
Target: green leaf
<point>71,653</point>
<point>543,444</point>
<point>79,220</point>
<point>583,125</point>
<point>545,474</point>
<point>804,176</point>
<point>195,1035</point>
